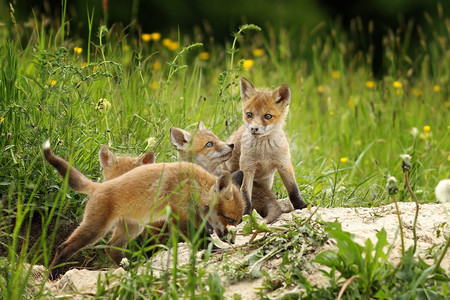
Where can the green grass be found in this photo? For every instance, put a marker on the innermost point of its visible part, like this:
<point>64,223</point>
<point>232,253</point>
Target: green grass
<point>346,128</point>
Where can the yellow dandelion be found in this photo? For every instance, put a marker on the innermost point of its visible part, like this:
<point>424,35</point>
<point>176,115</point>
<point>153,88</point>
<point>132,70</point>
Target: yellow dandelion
<point>331,113</point>
<point>166,42</point>
<point>320,89</point>
<point>258,52</point>
<point>154,85</point>
<point>436,88</point>
<point>204,55</point>
<point>426,128</point>
<point>146,37</point>
<point>173,46</point>
<point>344,160</point>
<point>2,119</point>
<point>156,36</point>
<point>417,92</point>
<point>448,158</point>
<point>248,63</point>
<point>335,74</point>
<point>370,84</point>
<point>397,84</point>
<point>316,148</point>
<point>52,83</point>
<point>77,50</point>
<point>156,65</point>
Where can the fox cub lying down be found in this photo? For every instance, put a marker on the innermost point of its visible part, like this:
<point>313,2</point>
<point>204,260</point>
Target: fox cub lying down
<point>139,197</point>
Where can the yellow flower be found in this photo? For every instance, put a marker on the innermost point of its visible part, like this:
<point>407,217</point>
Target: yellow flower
<point>174,46</point>
<point>331,113</point>
<point>436,88</point>
<point>344,160</point>
<point>156,36</point>
<point>146,37</point>
<point>370,84</point>
<point>417,92</point>
<point>248,63</point>
<point>78,50</point>
<point>316,148</point>
<point>426,128</point>
<point>166,42</point>
<point>448,158</point>
<point>103,105</point>
<point>154,85</point>
<point>397,84</point>
<point>335,74</point>
<point>320,89</point>
<point>258,52</point>
<point>2,119</point>
<point>204,55</point>
<point>52,83</point>
<point>156,65</point>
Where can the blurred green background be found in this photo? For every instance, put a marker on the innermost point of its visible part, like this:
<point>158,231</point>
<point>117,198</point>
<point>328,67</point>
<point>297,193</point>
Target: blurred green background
<point>216,19</point>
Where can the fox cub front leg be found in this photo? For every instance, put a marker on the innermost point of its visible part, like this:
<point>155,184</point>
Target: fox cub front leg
<point>288,178</point>
<point>247,188</point>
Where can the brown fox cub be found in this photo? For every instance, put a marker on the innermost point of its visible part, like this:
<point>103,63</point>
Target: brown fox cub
<point>113,166</point>
<point>203,148</point>
<point>261,147</point>
<point>207,150</point>
<point>140,196</point>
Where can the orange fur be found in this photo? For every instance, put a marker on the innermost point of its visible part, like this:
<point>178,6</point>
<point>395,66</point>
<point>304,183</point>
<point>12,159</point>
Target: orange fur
<point>261,147</point>
<point>140,196</point>
<point>263,199</point>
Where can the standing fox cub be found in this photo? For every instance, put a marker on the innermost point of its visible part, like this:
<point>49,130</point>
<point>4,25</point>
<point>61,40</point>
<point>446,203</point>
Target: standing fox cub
<point>261,147</point>
<point>208,151</point>
<point>140,196</point>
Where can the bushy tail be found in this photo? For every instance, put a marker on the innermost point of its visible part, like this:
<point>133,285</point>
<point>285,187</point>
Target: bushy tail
<point>77,180</point>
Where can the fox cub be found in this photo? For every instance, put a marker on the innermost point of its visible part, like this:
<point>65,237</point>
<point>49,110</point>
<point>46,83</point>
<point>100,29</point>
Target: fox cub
<point>140,196</point>
<point>207,150</point>
<point>261,147</point>
<point>203,148</point>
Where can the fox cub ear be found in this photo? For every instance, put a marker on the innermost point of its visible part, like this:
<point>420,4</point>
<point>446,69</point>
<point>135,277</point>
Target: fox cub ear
<point>180,138</point>
<point>223,185</point>
<point>282,95</point>
<point>146,158</point>
<point>106,157</point>
<point>201,125</point>
<point>247,89</point>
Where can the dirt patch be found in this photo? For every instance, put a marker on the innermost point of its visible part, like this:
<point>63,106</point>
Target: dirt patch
<point>364,223</point>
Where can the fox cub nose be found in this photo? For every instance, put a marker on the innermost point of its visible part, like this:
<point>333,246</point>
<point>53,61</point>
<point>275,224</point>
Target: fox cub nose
<point>254,129</point>
<point>231,146</point>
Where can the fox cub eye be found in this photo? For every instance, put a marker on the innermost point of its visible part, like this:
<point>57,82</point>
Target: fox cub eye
<point>268,116</point>
<point>209,144</point>
<point>249,115</point>
<point>230,221</point>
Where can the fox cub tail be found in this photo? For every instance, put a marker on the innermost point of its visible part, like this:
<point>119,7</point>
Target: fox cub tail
<point>77,180</point>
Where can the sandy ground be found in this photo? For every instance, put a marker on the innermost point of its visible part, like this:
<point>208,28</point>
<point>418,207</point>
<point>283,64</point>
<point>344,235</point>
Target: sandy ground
<point>362,222</point>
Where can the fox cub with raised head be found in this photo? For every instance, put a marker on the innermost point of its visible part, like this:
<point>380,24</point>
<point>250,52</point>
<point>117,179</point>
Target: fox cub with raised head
<point>261,147</point>
<point>140,196</point>
<point>207,150</point>
<point>203,147</point>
